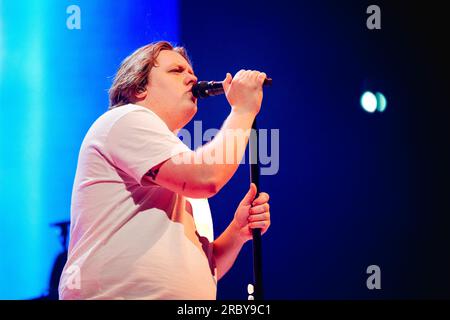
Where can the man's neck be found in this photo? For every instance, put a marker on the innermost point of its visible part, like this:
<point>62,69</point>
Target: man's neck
<point>162,115</point>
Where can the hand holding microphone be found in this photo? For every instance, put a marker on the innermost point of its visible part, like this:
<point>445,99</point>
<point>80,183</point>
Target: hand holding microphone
<point>243,92</point>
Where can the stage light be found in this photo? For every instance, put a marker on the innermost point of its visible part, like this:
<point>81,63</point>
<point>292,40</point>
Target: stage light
<point>381,102</point>
<point>369,102</point>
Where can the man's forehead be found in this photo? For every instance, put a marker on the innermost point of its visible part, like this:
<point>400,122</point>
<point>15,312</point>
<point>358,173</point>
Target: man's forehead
<point>170,57</point>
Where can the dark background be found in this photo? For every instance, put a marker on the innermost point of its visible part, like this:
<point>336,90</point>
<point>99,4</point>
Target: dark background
<point>353,188</point>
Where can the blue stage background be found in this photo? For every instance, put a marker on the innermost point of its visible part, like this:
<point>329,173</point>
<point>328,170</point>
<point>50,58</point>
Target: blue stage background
<point>353,189</point>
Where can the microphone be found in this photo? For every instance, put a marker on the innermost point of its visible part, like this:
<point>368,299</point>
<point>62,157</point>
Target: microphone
<point>205,89</point>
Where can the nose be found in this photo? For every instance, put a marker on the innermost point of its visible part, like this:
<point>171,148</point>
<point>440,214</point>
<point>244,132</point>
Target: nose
<point>190,79</point>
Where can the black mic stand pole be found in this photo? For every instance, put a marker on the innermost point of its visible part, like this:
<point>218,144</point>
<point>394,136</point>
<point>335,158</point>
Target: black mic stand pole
<point>257,248</point>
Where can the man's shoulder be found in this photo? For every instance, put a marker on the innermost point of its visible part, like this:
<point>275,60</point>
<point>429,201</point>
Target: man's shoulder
<point>124,114</point>
<point>121,111</point>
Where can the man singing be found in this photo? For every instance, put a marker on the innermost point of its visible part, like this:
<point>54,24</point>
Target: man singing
<point>141,226</point>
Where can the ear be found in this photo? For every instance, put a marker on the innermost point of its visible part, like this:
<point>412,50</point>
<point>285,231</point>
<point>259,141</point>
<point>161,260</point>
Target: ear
<point>141,93</point>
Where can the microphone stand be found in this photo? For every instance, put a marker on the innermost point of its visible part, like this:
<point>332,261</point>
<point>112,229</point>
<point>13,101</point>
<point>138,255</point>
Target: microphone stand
<point>257,248</point>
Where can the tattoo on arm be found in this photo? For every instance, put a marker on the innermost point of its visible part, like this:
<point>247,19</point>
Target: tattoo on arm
<point>152,173</point>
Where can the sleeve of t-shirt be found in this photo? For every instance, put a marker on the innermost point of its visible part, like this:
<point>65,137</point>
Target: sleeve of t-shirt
<point>140,140</point>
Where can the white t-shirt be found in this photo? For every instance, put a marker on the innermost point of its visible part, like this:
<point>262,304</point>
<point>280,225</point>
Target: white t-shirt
<point>130,238</point>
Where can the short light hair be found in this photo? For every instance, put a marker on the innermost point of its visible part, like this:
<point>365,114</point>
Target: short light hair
<point>132,76</point>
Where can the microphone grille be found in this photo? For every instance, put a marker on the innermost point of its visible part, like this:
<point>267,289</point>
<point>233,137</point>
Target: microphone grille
<point>199,90</point>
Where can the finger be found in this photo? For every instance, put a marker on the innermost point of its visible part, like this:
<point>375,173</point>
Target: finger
<point>248,198</point>
<point>262,198</point>
<point>259,217</point>
<point>243,74</point>
<point>260,208</point>
<point>254,75</point>
<point>259,225</point>
<point>227,82</point>
<point>263,230</point>
<point>261,77</point>
<point>239,74</point>
<point>249,74</point>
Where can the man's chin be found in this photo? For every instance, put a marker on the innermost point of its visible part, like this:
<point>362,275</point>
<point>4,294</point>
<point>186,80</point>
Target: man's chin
<point>192,109</point>
<point>192,112</point>
<point>189,113</point>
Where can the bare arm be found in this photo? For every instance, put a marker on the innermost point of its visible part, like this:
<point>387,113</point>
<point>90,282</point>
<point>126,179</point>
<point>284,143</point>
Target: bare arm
<point>203,172</point>
<point>226,249</point>
<point>250,214</point>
